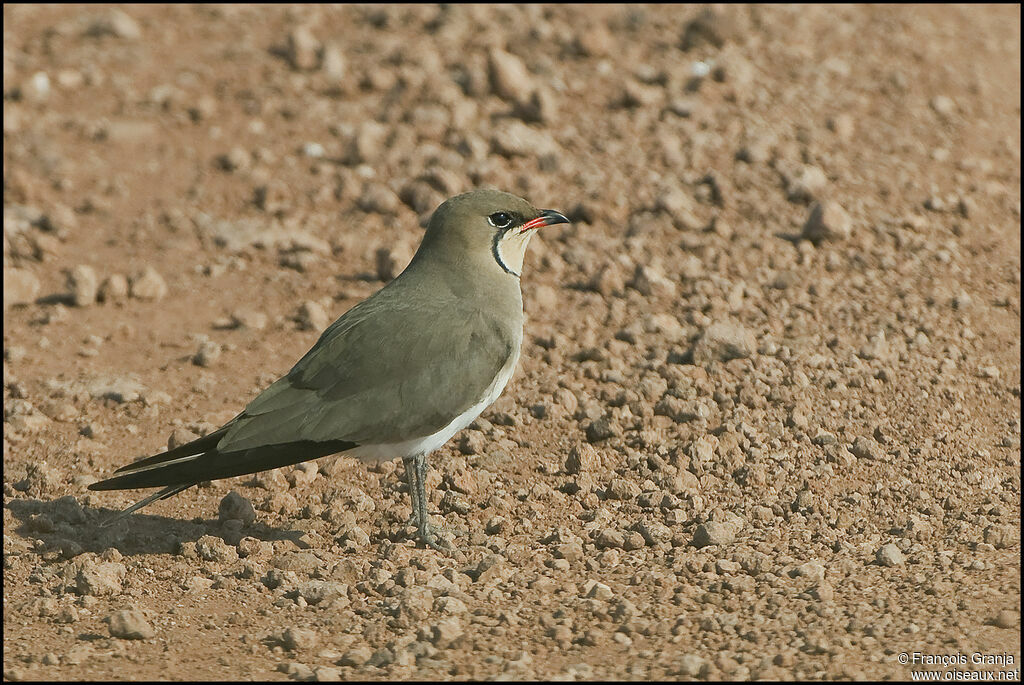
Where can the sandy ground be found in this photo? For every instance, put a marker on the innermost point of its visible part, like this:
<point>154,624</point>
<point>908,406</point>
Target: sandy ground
<point>767,419</point>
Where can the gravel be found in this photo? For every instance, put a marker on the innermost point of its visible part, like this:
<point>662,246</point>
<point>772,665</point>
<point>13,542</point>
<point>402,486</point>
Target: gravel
<point>766,422</point>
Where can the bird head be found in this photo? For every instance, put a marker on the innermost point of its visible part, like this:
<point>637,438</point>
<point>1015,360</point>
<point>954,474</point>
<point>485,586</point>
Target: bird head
<point>487,223</point>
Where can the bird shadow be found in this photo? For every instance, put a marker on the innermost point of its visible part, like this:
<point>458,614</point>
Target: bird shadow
<point>65,527</point>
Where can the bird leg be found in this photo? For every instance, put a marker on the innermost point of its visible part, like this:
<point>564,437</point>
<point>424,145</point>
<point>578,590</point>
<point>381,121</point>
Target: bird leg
<point>416,478</point>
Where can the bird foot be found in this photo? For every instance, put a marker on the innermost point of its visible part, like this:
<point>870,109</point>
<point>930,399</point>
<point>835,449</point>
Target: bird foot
<point>428,535</point>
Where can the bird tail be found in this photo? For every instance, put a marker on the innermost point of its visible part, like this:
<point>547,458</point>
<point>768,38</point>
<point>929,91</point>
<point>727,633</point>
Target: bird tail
<point>168,468</point>
<point>169,491</point>
<point>201,460</point>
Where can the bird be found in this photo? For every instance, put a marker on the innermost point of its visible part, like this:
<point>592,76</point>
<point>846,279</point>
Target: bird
<point>396,376</point>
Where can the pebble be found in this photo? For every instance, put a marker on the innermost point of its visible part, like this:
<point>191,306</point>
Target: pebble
<point>212,548</point>
<point>806,185</point>
<point>312,316</point>
<point>357,656</point>
<point>234,506</point>
<point>299,638</point>
<point>866,448</point>
<point>943,105</point>
<point>827,222</point>
<point>602,429</point>
<point>100,578</point>
<point>889,555</point>
<point>327,674</point>
<point>115,23</point>
<point>517,139</point>
<point>446,632</point>
<point>113,289</point>
<point>367,143</point>
<point>1006,619</point>
<point>510,79</point>
<point>717,532</point>
<point>20,286</point>
<point>722,341</point>
<point>248,318</point>
<point>83,284</point>
<point>710,27</point>
<point>334,63</point>
<point>130,624</point>
<point>207,353</point>
<point>392,260</point>
<point>148,285</point>
<point>303,49</point>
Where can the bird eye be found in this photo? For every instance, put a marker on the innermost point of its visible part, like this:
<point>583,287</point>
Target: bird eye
<point>500,219</point>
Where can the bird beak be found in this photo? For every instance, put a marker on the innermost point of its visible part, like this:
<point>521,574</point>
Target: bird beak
<point>548,217</point>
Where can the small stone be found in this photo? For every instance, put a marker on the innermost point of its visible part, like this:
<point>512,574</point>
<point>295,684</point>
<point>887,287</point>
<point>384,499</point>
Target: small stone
<point>717,532</point>
<point>234,506</point>
<point>391,260</point>
<point>327,674</point>
<point>807,185</point>
<point>650,281</point>
<point>115,23</point>
<point>312,316</point>
<point>843,126</point>
<point>208,353</point>
<point>623,489</point>
<point>303,49</point>
<point>943,105</point>
<point>130,624</point>
<point>212,548</point>
<point>299,638</point>
<point>865,448</point>
<point>582,458</point>
<point>296,670</point>
<point>595,41</point>
<point>889,555</point>
<point>322,591</point>
<point>602,429</point>
<point>148,285</point>
<point>570,551</point>
<point>357,656</point>
<point>823,591</point>
<point>83,284</point>
<point>692,666</point>
<point>1006,619</point>
<point>990,372</point>
<point>516,139</point>
<point>722,341</point>
<point>113,289</point>
<point>827,222</point>
<point>20,286</point>
<point>248,318</point>
<point>377,198</point>
<point>334,63</point>
<point>710,27</point>
<point>382,657</point>
<point>1001,536</point>
<point>446,632</point>
<point>235,159</point>
<point>367,143</point>
<point>510,79</point>
<point>609,537</point>
<point>601,592</point>
<point>100,578</point>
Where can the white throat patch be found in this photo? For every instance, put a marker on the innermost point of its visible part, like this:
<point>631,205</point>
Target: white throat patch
<point>510,250</point>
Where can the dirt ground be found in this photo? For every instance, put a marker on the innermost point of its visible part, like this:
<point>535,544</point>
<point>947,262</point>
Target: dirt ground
<point>767,418</point>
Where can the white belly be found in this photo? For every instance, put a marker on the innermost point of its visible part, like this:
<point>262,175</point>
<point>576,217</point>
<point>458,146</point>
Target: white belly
<point>429,443</point>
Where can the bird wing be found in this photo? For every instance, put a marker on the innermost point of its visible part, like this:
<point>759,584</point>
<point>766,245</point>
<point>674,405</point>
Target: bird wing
<point>379,375</point>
